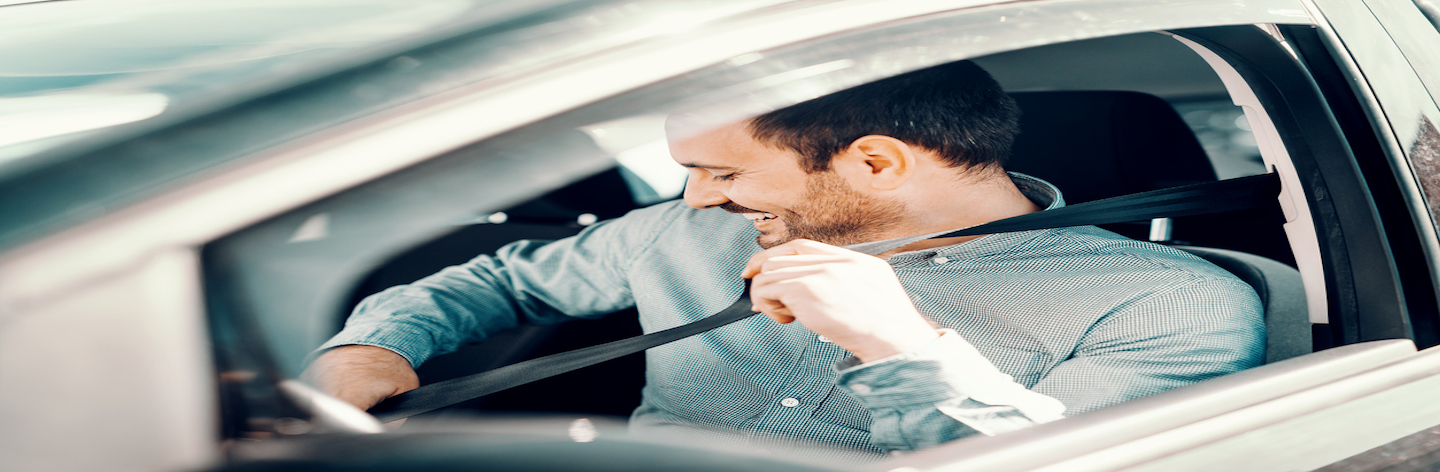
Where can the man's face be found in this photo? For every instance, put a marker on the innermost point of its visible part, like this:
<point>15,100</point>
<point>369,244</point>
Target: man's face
<point>731,170</point>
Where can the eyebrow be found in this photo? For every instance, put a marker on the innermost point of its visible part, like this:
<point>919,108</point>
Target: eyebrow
<point>693,165</point>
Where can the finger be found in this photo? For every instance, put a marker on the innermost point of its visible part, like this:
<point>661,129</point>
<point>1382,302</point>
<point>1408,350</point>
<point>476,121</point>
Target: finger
<point>765,305</point>
<point>752,266</point>
<point>772,275</point>
<point>800,260</point>
<point>781,316</point>
<point>780,294</point>
<point>796,247</point>
<point>808,246</point>
<point>764,302</point>
<point>765,296</point>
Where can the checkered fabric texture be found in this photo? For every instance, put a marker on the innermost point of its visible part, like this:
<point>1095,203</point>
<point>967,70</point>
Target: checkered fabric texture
<point>1079,315</point>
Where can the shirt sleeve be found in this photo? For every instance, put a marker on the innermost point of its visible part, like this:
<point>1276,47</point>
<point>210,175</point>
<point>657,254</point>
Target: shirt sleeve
<point>947,390</point>
<point>534,282</point>
<point>942,391</point>
<point>1196,331</point>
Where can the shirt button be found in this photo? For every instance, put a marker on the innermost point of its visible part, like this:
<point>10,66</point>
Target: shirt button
<point>940,260</point>
<point>860,388</point>
<point>824,339</point>
<point>790,402</point>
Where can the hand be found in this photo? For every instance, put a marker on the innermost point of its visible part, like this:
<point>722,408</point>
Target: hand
<point>361,375</point>
<point>851,298</point>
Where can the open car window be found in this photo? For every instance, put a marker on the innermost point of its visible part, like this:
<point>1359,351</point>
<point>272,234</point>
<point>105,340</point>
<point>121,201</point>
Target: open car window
<point>528,162</point>
<point>294,278</point>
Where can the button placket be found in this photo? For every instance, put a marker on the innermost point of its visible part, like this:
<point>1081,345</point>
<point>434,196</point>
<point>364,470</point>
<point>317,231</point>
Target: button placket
<point>792,404</point>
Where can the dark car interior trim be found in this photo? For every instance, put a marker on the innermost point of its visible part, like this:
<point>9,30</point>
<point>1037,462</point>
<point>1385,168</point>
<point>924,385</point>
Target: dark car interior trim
<point>1409,254</point>
<point>1365,294</point>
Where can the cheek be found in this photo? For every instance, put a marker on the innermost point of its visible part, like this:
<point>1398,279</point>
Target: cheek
<point>745,195</point>
<point>768,196</point>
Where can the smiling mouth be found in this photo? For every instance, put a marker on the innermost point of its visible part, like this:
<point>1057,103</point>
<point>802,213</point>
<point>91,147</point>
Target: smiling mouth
<point>758,217</point>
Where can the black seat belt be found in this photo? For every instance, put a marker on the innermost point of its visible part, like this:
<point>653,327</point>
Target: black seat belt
<point>1242,193</point>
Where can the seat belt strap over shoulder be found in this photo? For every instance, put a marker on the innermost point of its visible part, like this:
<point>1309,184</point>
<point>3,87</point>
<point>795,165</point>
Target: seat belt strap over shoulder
<point>1242,193</point>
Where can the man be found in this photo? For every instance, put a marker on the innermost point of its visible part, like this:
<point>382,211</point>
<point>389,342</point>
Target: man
<point>940,339</point>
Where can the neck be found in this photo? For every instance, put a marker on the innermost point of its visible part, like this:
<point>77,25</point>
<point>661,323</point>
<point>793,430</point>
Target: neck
<point>978,199</point>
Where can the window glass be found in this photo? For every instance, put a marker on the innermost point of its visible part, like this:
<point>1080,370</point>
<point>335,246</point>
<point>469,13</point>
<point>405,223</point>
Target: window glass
<point>491,186</point>
<point>1417,114</point>
<point>158,54</point>
<point>1392,46</point>
<point>1222,128</point>
<point>627,130</point>
<point>109,130</point>
<point>294,274</point>
<point>54,74</point>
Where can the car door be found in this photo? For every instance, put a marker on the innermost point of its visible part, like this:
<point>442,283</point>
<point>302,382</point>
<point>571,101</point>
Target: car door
<point>1383,49</point>
<point>243,273</point>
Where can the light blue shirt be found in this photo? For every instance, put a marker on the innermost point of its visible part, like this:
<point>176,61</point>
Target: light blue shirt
<point>1036,324</point>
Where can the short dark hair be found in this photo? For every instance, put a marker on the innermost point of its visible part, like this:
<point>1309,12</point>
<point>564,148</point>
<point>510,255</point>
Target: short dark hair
<point>955,110</point>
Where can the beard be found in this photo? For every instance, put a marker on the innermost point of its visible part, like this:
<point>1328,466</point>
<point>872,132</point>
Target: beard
<point>830,212</point>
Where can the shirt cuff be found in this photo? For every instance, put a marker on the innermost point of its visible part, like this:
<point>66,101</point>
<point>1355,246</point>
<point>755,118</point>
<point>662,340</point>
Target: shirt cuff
<point>947,370</point>
<point>415,345</point>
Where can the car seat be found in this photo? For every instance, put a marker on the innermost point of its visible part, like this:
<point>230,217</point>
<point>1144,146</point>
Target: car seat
<point>1101,144</point>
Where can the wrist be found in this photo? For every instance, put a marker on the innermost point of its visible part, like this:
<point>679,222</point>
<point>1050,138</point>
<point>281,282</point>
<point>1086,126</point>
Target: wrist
<point>895,342</point>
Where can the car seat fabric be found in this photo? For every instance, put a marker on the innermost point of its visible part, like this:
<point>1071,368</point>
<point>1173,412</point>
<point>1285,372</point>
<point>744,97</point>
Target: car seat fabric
<point>1100,144</point>
<point>1095,145</point>
<point>1287,321</point>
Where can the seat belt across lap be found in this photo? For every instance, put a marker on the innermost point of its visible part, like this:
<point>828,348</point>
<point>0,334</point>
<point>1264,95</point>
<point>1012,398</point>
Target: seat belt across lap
<point>1242,193</point>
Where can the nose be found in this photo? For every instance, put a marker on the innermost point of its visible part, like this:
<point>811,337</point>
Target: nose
<point>701,192</point>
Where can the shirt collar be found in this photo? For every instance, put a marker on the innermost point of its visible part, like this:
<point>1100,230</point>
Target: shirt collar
<point>1042,193</point>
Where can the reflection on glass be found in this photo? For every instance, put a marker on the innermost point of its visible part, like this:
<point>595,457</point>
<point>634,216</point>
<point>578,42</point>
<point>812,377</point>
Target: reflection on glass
<point>68,67</point>
<point>1225,134</point>
<point>639,146</point>
<point>32,118</point>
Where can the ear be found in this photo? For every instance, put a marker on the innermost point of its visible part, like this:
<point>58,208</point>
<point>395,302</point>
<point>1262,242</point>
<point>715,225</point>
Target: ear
<point>876,161</point>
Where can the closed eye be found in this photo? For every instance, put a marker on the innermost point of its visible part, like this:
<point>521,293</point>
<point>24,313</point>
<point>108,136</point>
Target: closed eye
<point>726,176</point>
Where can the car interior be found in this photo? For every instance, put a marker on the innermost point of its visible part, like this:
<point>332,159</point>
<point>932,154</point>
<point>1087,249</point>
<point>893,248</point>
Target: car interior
<point>1099,120</point>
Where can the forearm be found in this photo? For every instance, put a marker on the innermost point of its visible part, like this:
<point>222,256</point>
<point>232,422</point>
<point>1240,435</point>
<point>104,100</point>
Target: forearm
<point>524,282</point>
<point>434,315</point>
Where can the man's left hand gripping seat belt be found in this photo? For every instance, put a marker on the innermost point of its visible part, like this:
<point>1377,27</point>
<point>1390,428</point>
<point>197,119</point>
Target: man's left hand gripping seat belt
<point>1212,197</point>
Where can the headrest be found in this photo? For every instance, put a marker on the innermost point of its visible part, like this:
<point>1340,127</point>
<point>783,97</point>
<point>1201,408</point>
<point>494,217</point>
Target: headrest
<point>1095,145</point>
